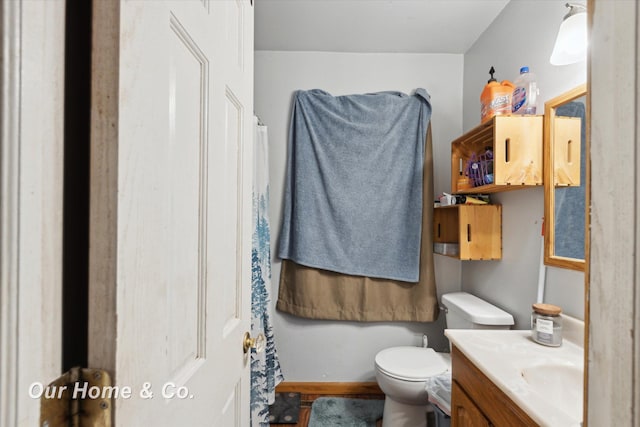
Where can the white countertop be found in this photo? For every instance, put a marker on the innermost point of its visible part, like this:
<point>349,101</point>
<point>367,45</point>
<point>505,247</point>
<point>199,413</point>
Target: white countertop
<point>552,394</point>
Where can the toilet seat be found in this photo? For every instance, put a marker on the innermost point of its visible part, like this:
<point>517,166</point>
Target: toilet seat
<point>410,363</point>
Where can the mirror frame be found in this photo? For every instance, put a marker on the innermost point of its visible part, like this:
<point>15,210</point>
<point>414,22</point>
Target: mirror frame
<point>550,258</point>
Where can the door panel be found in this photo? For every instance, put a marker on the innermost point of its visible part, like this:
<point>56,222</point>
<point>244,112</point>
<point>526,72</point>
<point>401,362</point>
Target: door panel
<point>232,128</point>
<point>186,190</point>
<point>170,208</point>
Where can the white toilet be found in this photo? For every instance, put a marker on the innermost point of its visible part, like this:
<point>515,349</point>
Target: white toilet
<point>401,372</point>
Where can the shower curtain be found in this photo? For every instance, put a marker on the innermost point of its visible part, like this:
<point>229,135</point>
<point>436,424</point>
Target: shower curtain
<point>320,294</point>
<point>265,367</point>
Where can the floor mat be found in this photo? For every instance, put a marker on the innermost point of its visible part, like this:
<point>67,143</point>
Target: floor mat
<point>285,409</point>
<point>343,412</point>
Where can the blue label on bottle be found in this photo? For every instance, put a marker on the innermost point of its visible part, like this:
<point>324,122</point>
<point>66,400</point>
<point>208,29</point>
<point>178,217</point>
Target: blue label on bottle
<point>519,98</point>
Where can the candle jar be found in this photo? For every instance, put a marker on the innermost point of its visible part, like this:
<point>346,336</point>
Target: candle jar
<point>546,324</point>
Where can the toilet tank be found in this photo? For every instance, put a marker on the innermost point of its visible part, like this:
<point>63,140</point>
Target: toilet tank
<point>466,311</point>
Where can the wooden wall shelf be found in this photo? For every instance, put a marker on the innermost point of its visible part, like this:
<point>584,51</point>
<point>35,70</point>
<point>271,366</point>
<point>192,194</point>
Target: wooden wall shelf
<point>477,229</point>
<point>516,144</point>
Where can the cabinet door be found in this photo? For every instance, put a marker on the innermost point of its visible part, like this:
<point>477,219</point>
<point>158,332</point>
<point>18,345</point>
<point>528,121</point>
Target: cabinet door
<point>445,225</point>
<point>480,230</point>
<point>464,413</point>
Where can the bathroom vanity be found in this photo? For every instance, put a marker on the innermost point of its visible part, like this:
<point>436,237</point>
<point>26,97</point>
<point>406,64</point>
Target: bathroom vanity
<point>477,401</point>
<point>504,378</point>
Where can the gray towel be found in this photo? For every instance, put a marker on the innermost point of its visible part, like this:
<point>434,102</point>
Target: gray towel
<point>353,192</point>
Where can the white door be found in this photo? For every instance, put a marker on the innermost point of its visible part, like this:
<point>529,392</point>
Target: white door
<point>31,201</point>
<point>170,234</point>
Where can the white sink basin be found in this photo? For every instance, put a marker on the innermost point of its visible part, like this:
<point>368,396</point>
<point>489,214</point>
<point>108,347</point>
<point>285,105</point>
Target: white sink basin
<point>546,382</point>
<point>560,384</point>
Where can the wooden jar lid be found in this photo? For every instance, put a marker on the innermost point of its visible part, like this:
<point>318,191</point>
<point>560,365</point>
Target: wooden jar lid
<point>547,309</point>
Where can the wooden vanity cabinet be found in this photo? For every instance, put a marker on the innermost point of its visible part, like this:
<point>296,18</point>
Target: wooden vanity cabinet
<point>477,229</point>
<point>477,402</point>
<point>463,411</point>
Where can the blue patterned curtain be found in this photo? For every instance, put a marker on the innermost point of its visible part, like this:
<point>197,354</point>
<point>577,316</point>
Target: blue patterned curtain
<point>265,367</point>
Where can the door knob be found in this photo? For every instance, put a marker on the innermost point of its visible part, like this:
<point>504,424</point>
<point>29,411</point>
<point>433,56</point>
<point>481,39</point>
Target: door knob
<point>257,342</point>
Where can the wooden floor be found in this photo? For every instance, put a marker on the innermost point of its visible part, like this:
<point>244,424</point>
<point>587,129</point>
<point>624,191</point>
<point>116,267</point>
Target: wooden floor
<point>307,398</point>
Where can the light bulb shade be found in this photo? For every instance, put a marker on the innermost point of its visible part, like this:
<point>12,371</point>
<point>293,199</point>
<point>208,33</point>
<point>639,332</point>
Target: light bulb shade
<point>571,43</point>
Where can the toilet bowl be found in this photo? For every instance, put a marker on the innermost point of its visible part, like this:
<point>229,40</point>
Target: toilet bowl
<point>401,373</point>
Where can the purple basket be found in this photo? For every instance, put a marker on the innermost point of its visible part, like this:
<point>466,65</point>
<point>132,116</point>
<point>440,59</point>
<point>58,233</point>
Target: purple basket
<point>479,168</point>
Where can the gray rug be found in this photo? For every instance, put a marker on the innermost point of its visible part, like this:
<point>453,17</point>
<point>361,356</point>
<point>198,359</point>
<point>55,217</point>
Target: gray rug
<point>285,409</point>
<point>343,412</point>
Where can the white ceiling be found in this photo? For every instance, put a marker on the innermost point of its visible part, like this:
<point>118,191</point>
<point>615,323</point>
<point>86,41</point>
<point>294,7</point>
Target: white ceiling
<point>416,26</point>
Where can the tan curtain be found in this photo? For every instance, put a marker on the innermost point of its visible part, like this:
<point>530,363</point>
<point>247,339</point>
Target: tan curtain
<point>321,294</point>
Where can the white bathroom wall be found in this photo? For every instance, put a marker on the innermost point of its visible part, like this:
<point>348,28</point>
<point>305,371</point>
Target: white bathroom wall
<point>320,350</point>
<point>523,34</point>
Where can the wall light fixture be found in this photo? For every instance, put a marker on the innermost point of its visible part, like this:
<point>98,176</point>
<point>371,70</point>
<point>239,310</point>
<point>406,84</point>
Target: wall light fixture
<point>571,42</point>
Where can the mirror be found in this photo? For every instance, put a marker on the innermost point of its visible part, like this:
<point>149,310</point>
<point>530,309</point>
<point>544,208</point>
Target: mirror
<point>565,160</point>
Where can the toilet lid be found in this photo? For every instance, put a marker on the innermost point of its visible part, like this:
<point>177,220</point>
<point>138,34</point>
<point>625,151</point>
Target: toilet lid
<point>410,363</point>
